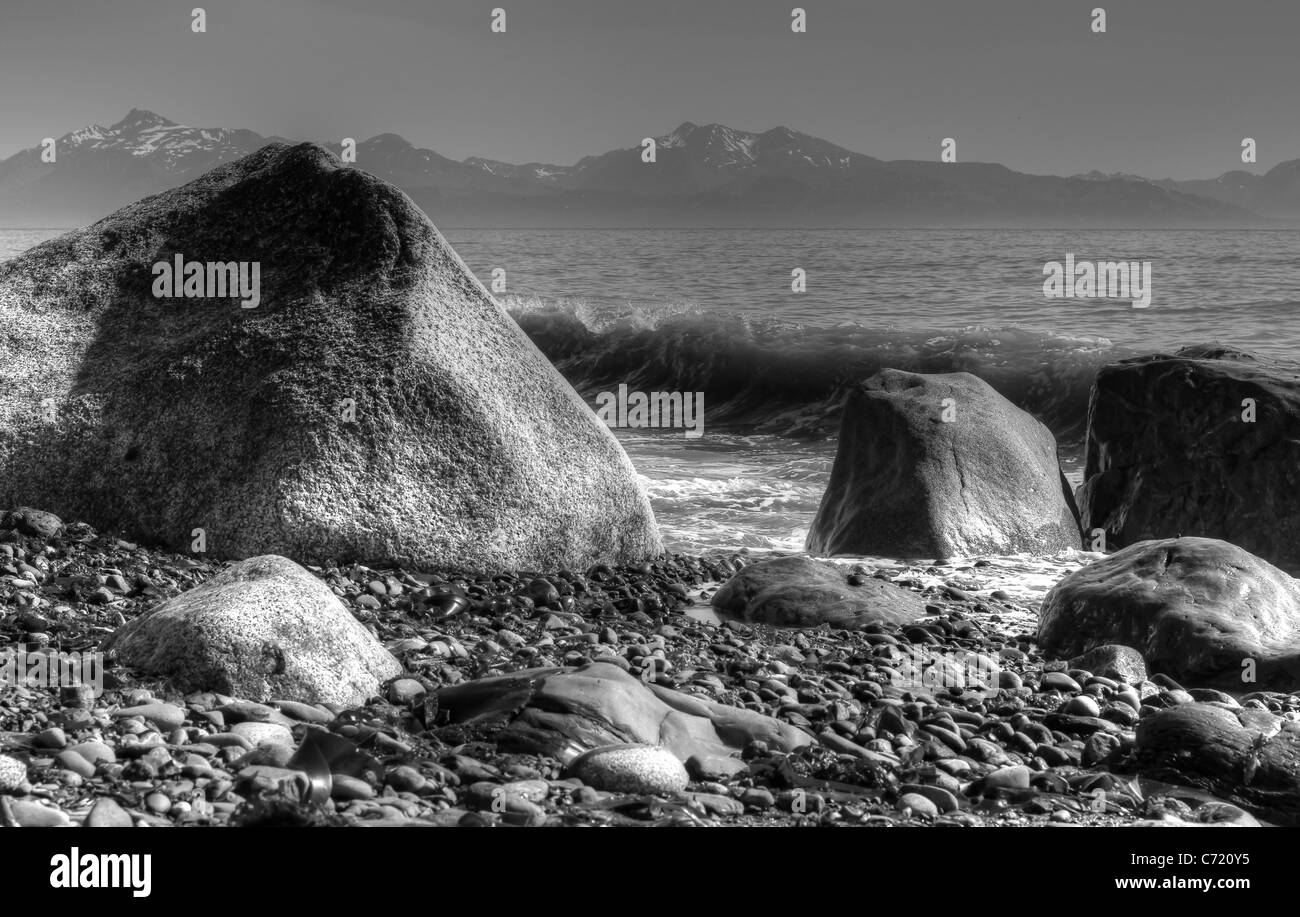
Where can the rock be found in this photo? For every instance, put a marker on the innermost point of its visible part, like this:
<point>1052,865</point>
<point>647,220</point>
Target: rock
<point>1081,705</point>
<point>52,738</point>
<point>162,716</point>
<point>630,768</point>
<point>1113,661</point>
<point>797,591</point>
<point>406,691</point>
<point>921,806</point>
<point>71,761</point>
<point>34,522</point>
<point>943,800</point>
<point>95,752</point>
<point>1012,777</point>
<point>374,363</point>
<point>348,788</point>
<point>13,774</point>
<point>259,733</point>
<point>1250,757</point>
<point>1197,609</point>
<point>1170,451</point>
<point>715,768</point>
<point>562,712</point>
<point>905,483</point>
<point>106,813</point>
<point>263,628</point>
<point>31,814</point>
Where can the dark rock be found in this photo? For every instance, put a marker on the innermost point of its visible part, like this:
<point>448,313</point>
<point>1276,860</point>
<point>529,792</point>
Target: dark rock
<point>374,363</point>
<point>1198,609</point>
<point>34,522</point>
<point>563,712</point>
<point>1250,757</point>
<point>1170,453</point>
<point>907,484</point>
<point>798,591</point>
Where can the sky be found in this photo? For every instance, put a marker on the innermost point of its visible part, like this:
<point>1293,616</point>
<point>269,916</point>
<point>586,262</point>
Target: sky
<point>1169,90</point>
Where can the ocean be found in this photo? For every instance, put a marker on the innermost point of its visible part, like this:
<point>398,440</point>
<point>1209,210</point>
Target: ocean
<point>712,311</point>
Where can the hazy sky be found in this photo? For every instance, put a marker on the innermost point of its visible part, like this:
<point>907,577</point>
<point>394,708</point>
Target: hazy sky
<point>1168,91</point>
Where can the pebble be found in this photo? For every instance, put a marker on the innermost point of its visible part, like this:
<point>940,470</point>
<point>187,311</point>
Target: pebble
<point>164,716</point>
<point>258,733</point>
<point>921,806</point>
<point>1082,705</point>
<point>346,788</point>
<point>405,691</point>
<point>95,752</point>
<point>31,814</point>
<point>1013,777</point>
<point>69,760</point>
<point>1059,681</point>
<point>106,813</point>
<point>50,738</point>
<point>631,769</point>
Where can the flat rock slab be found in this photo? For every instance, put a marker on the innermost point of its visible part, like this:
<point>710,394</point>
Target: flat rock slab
<point>798,591</point>
<point>1249,757</point>
<point>941,465</point>
<point>1202,611</point>
<point>1174,447</point>
<point>565,712</point>
<point>264,628</point>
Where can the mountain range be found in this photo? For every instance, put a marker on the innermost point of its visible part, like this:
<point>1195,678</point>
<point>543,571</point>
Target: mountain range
<point>704,175</point>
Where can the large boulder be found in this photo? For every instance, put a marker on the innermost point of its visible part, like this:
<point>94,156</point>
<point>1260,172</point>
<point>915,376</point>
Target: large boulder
<point>565,712</point>
<point>263,628</point>
<point>1248,756</point>
<point>1175,447</point>
<point>941,465</point>
<point>1202,611</point>
<point>798,591</point>
<point>376,404</point>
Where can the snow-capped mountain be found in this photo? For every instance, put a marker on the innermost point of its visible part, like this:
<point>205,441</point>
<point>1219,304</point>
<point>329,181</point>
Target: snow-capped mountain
<point>707,174</point>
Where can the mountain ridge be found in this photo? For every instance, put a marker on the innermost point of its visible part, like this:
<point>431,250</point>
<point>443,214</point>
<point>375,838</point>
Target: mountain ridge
<point>703,174</point>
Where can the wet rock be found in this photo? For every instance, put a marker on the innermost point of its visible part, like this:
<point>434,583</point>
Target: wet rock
<point>1249,757</point>
<point>162,716</point>
<point>1169,452</point>
<point>563,712</point>
<point>1198,609</point>
<point>106,813</point>
<point>798,591</point>
<point>263,628</point>
<point>937,465</point>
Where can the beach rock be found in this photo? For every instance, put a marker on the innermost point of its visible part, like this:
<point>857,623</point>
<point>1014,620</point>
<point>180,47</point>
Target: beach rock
<point>106,813</point>
<point>1172,449</point>
<point>628,768</point>
<point>1113,661</point>
<point>564,712</point>
<point>1249,757</point>
<point>263,628</point>
<point>32,814</point>
<point>13,774</point>
<point>798,591</point>
<point>372,402</point>
<point>1202,611</point>
<point>34,522</point>
<point>905,483</point>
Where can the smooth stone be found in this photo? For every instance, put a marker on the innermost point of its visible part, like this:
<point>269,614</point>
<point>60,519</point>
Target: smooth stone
<point>258,733</point>
<point>405,691</point>
<point>31,814</point>
<point>106,813</point>
<point>95,752</point>
<point>163,716</point>
<point>942,799</point>
<point>1113,660</point>
<point>1013,777</point>
<point>1082,705</point>
<point>630,768</point>
<point>70,760</point>
<point>51,738</point>
<point>921,806</point>
<point>1059,681</point>
<point>348,788</point>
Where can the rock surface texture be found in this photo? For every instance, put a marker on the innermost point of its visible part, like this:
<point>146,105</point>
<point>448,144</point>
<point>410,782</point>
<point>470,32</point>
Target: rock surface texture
<point>937,465</point>
<point>376,404</point>
<point>1202,442</point>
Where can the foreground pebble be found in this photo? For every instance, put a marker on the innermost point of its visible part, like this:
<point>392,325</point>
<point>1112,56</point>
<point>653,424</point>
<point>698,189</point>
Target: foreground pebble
<point>632,769</point>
